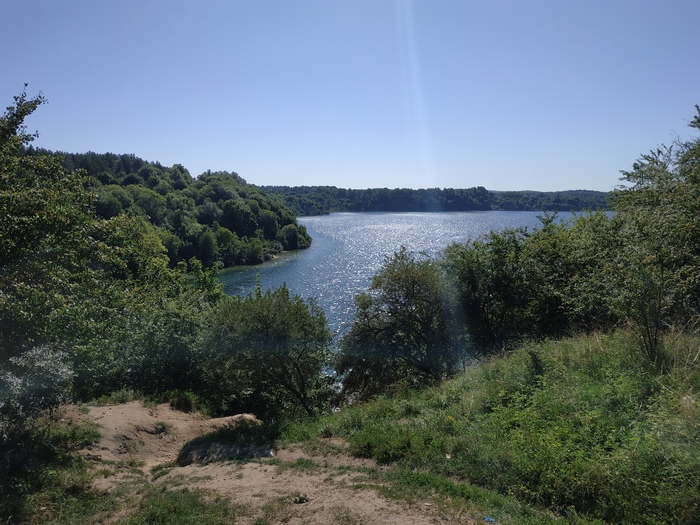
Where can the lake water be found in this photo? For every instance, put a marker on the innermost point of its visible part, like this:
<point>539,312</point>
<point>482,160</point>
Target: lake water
<point>349,248</point>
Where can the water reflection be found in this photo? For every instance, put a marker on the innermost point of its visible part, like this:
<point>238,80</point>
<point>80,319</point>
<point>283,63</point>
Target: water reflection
<point>349,248</point>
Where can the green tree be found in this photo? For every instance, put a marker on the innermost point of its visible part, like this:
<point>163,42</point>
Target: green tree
<point>97,291</point>
<point>268,223</point>
<point>659,213</point>
<point>237,217</point>
<point>493,289</point>
<point>253,251</point>
<point>569,266</point>
<point>556,280</point>
<point>294,237</point>
<point>45,234</point>
<point>208,249</point>
<point>230,246</point>
<point>268,353</point>
<point>406,330</point>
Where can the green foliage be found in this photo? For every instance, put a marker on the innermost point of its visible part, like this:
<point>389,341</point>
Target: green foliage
<point>518,285</point>
<point>405,332</point>
<point>316,200</point>
<point>45,235</point>
<point>580,426</point>
<point>293,236</point>
<point>185,401</point>
<point>267,353</point>
<point>41,474</point>
<point>98,289</point>
<point>659,212</point>
<point>149,343</point>
<point>190,213</point>
<point>493,288</point>
<point>37,380</point>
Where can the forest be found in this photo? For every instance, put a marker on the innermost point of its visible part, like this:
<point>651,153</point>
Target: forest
<point>217,218</point>
<point>557,366</point>
<point>319,200</point>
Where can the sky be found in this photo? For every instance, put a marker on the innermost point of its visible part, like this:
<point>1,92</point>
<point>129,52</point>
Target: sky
<point>507,94</point>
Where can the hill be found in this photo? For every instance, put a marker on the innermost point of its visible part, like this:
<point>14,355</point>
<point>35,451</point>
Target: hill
<point>217,217</point>
<point>317,200</point>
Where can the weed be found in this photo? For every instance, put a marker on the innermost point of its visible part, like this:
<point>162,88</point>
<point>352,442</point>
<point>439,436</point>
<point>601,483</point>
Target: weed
<point>118,397</point>
<point>161,470</point>
<point>161,427</point>
<point>300,465</point>
<point>185,401</point>
<point>181,507</point>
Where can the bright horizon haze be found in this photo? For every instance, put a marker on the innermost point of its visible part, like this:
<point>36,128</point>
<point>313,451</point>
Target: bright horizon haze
<point>507,94</point>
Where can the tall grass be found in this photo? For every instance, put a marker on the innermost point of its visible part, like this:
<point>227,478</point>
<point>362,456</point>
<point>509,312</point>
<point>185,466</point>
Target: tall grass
<point>42,477</point>
<point>584,427</point>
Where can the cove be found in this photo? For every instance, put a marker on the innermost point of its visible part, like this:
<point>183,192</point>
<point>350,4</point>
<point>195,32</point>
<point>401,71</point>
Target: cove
<point>349,248</point>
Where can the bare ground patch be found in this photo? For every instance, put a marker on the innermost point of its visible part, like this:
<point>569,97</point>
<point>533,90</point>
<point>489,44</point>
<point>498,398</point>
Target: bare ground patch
<point>276,486</point>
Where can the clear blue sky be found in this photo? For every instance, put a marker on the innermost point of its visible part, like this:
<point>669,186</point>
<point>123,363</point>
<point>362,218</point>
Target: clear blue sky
<point>506,94</point>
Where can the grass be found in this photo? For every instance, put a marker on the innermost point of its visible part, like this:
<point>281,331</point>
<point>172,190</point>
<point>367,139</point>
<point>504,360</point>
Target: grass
<point>118,397</point>
<point>161,427</point>
<point>584,428</point>
<point>160,505</point>
<point>42,479</point>
<point>576,431</point>
<point>184,401</point>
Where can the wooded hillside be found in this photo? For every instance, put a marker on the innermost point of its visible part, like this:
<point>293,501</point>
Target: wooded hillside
<point>318,200</point>
<point>218,218</point>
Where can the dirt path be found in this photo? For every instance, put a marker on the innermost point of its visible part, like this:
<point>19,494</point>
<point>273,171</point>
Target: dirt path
<point>281,486</point>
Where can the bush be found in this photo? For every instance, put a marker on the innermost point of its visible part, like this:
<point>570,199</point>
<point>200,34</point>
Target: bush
<point>37,380</point>
<point>266,353</point>
<point>406,331</point>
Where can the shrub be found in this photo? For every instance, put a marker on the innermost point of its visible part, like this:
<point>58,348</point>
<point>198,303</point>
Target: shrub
<point>406,332</point>
<point>37,380</point>
<point>266,353</point>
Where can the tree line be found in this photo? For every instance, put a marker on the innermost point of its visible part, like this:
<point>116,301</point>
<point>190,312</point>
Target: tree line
<point>319,200</point>
<point>218,217</point>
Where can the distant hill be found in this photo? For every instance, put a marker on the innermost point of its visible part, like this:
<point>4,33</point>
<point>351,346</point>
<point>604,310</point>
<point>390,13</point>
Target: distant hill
<point>218,217</point>
<point>317,200</point>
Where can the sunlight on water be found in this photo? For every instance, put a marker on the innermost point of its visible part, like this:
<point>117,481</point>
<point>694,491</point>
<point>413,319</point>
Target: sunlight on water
<point>349,248</point>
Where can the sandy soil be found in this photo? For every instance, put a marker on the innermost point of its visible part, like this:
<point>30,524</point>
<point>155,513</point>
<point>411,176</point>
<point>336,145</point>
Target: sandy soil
<point>274,487</point>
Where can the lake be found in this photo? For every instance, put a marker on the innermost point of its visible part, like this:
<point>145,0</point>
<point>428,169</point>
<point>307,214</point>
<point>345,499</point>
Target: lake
<point>349,248</point>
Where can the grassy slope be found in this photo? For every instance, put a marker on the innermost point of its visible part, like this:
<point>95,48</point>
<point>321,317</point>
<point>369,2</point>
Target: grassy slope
<point>583,427</point>
<point>574,431</point>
